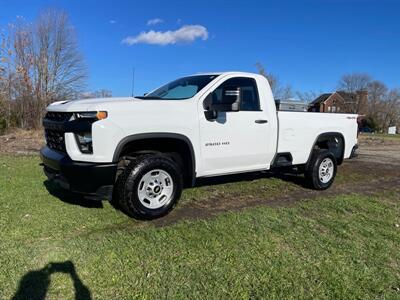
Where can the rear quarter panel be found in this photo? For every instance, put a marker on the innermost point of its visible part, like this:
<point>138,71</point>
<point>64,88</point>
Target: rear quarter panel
<point>298,132</point>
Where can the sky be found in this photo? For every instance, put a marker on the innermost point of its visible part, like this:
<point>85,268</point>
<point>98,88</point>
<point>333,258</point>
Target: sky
<point>308,44</point>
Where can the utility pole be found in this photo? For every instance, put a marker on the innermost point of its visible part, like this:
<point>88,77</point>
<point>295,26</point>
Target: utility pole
<point>133,81</point>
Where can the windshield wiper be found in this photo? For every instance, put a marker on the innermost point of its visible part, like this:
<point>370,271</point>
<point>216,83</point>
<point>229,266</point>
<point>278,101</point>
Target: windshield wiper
<point>149,97</point>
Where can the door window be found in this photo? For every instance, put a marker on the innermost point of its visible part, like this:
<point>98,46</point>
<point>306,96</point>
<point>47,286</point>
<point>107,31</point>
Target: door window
<point>248,91</point>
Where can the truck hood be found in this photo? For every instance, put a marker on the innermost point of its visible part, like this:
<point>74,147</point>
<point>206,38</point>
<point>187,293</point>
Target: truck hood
<point>87,104</point>
<point>127,107</point>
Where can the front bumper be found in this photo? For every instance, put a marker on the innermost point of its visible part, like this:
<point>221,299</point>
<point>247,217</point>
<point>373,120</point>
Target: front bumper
<point>94,180</point>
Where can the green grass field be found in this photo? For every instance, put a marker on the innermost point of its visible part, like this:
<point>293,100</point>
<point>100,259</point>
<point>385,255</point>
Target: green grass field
<point>337,247</point>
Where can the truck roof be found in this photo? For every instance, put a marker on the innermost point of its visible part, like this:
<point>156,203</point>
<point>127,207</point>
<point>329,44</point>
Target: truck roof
<point>237,73</point>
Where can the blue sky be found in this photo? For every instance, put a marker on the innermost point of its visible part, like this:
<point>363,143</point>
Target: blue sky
<point>308,44</point>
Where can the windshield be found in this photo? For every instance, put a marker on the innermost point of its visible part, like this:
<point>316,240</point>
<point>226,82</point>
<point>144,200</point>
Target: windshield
<point>180,89</point>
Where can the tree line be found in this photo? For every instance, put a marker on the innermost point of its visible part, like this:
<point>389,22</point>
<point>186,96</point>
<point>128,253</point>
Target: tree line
<point>40,63</point>
<point>383,107</point>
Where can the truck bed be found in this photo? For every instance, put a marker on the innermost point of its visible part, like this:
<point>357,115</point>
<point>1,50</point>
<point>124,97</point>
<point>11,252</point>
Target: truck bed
<point>297,132</point>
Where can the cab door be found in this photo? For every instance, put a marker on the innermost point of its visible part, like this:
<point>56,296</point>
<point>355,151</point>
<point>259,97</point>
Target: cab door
<point>236,141</point>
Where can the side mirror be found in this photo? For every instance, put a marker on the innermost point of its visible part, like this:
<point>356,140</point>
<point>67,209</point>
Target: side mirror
<point>211,115</point>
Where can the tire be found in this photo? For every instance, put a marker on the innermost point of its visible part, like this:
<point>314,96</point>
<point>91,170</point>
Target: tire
<point>150,186</point>
<point>321,170</point>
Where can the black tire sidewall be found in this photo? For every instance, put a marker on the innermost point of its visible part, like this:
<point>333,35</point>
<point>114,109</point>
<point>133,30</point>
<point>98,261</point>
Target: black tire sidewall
<point>143,166</point>
<point>319,156</point>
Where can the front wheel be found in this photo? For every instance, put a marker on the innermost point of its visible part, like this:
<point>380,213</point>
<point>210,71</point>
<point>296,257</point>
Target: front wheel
<point>321,170</point>
<point>150,186</point>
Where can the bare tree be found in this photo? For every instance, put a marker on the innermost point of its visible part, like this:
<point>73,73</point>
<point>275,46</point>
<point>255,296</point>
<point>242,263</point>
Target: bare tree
<point>376,93</point>
<point>6,80</point>
<point>308,96</point>
<point>27,107</point>
<point>272,79</point>
<point>279,91</point>
<point>39,64</point>
<point>59,68</point>
<point>383,104</point>
<point>390,112</point>
<point>354,82</point>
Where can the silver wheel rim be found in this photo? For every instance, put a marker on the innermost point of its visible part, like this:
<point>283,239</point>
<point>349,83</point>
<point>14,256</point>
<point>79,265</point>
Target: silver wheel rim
<point>326,169</point>
<point>155,189</point>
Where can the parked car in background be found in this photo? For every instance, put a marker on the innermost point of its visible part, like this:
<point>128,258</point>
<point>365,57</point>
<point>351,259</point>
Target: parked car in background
<point>366,130</point>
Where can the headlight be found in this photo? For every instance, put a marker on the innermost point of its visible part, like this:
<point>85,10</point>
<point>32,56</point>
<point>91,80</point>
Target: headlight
<point>84,140</point>
<point>91,115</point>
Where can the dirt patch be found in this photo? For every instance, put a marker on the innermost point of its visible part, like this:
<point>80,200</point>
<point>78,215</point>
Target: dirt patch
<point>22,142</point>
<point>377,168</point>
<point>213,207</point>
<point>379,150</point>
<point>382,176</point>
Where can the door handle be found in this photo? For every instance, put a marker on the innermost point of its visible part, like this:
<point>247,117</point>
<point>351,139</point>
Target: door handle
<point>261,121</point>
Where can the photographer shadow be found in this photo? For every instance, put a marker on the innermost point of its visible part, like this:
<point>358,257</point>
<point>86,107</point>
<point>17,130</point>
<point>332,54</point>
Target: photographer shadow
<point>35,284</point>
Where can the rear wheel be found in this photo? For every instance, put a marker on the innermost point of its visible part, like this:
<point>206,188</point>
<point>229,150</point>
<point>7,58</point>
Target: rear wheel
<point>150,186</point>
<point>321,170</point>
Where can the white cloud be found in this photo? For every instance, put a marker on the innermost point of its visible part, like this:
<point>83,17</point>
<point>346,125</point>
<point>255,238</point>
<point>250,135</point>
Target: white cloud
<point>154,21</point>
<point>185,34</point>
<point>112,21</point>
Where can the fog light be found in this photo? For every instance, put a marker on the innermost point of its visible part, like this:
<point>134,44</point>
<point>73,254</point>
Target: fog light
<point>84,140</point>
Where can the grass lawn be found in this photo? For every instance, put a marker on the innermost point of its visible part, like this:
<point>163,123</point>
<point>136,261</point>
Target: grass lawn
<point>339,247</point>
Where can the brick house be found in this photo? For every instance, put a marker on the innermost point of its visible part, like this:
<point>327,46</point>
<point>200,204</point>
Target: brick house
<point>341,102</point>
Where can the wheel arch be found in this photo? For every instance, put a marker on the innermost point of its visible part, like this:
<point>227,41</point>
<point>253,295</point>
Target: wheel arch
<point>152,141</point>
<point>324,141</point>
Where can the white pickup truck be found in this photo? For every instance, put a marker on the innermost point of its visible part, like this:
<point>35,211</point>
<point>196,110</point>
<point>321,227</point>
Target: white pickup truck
<point>144,150</point>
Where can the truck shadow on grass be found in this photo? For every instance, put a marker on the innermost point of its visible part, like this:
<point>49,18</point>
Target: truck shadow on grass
<point>69,197</point>
<point>35,284</point>
<point>282,174</point>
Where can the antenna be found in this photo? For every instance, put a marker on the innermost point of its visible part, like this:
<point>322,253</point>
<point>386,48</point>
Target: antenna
<point>133,81</point>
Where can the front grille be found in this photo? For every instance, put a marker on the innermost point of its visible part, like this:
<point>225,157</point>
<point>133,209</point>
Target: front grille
<point>55,139</point>
<point>53,129</point>
<point>58,116</point>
